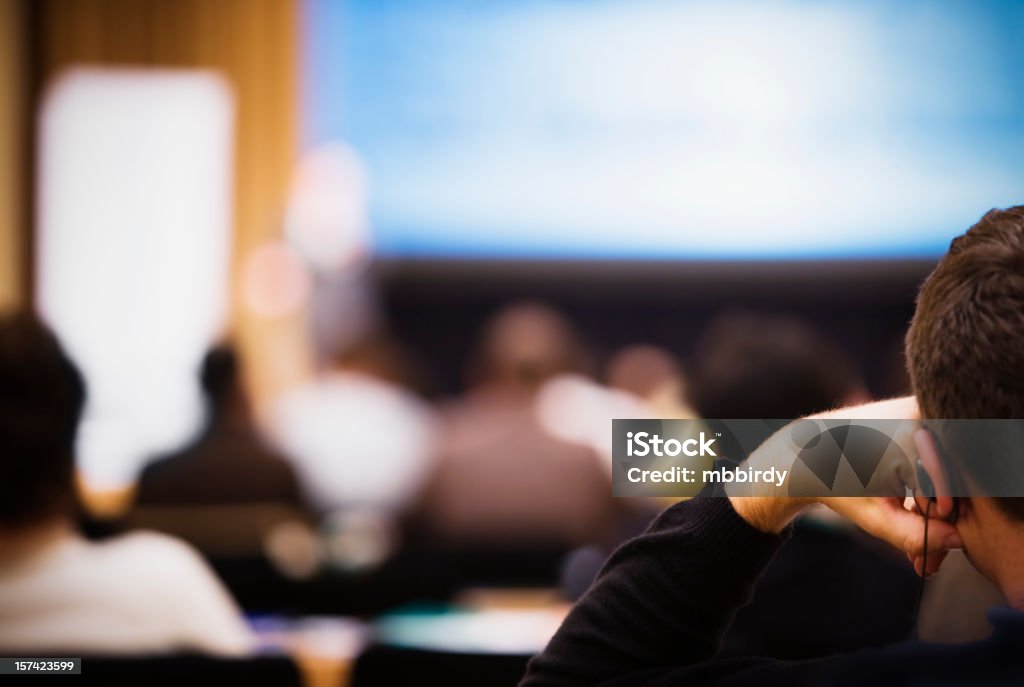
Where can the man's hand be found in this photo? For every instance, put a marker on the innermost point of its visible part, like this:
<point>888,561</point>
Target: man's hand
<point>889,520</point>
<point>884,517</point>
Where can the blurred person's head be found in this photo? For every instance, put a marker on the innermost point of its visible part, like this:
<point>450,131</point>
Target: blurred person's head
<point>768,366</point>
<point>965,354</point>
<point>524,345</point>
<point>220,381</point>
<point>894,380</point>
<point>652,374</point>
<point>41,399</point>
<point>380,355</point>
<point>644,371</point>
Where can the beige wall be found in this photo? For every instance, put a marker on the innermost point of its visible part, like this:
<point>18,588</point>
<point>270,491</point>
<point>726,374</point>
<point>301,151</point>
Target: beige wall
<point>12,161</point>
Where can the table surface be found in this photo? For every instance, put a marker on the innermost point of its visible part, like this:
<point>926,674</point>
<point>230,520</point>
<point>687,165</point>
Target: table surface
<point>479,621</point>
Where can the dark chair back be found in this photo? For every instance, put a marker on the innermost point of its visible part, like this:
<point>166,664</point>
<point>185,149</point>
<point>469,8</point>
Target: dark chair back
<point>385,666</point>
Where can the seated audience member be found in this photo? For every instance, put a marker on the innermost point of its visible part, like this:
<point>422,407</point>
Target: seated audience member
<point>228,463</point>
<point>764,366</point>
<point>657,613</point>
<point>640,381</point>
<point>501,477</point>
<point>359,439</point>
<point>654,375</point>
<point>770,366</point>
<point>138,593</point>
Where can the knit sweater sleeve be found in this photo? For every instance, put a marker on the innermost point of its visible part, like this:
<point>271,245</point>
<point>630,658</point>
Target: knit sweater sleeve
<point>662,601</point>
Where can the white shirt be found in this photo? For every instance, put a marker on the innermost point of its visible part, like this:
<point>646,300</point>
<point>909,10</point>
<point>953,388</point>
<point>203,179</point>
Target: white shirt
<point>138,593</point>
<point>356,441</point>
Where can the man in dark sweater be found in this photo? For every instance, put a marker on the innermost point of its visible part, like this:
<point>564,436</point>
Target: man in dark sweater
<point>656,613</point>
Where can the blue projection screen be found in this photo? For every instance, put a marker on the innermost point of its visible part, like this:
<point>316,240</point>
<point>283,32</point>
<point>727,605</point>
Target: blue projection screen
<point>654,129</point>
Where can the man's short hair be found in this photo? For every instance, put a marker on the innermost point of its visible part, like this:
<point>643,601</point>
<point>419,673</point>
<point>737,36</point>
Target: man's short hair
<point>965,346</point>
<point>41,400</point>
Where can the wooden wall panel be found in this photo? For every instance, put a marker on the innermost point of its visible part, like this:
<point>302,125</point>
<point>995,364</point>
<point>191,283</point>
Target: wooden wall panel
<point>13,152</point>
<point>254,43</point>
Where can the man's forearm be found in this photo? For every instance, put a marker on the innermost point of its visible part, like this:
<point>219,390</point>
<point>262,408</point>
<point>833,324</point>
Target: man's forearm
<point>663,599</point>
<point>766,513</point>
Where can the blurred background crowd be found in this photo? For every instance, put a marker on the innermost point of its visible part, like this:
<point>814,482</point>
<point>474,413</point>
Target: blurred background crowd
<point>354,289</point>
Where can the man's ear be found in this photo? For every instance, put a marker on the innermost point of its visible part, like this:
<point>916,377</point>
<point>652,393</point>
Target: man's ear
<point>928,453</point>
